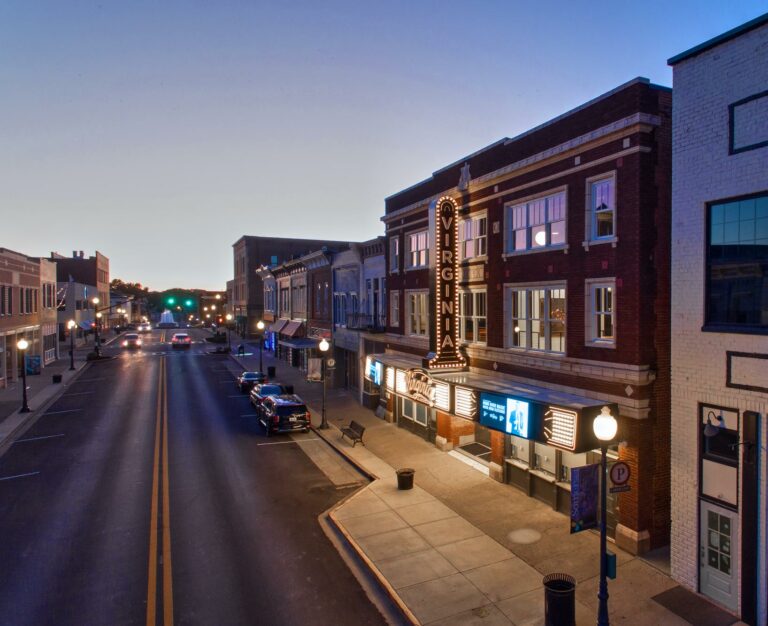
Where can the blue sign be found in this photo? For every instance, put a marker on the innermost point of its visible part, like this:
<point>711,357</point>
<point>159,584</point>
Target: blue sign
<point>584,485</point>
<point>374,372</point>
<point>506,414</point>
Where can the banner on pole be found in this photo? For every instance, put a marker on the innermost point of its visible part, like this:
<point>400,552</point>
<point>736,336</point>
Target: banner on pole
<point>314,369</point>
<point>585,483</point>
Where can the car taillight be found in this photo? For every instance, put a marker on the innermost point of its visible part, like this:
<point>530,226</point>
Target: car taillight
<point>309,416</point>
<point>276,419</point>
<point>125,343</point>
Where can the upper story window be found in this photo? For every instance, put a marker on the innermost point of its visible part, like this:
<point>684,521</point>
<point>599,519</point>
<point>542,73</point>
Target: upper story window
<point>602,207</point>
<point>737,264</point>
<point>537,320</point>
<point>394,308</point>
<point>601,312</point>
<point>473,326</point>
<point>473,237</point>
<point>418,313</point>
<point>536,223</point>
<point>418,249</point>
<point>3,301</point>
<point>394,254</point>
<point>340,309</point>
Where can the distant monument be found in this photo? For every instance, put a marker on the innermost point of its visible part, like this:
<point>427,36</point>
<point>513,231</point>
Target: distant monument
<point>166,320</point>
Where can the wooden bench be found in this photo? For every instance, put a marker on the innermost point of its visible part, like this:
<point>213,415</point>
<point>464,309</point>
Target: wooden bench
<point>354,431</point>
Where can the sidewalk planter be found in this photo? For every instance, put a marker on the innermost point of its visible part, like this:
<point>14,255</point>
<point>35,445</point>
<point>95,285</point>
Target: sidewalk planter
<point>56,379</point>
<point>559,600</point>
<point>405,478</point>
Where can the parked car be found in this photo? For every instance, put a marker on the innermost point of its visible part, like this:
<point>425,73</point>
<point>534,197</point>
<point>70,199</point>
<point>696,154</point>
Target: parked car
<point>284,414</point>
<point>181,340</point>
<point>264,390</point>
<point>132,341</point>
<point>247,380</point>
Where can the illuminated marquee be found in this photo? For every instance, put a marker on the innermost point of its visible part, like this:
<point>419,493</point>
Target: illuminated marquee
<point>446,335</point>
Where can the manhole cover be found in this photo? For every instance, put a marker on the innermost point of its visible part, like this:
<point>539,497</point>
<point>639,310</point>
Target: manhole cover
<point>524,535</point>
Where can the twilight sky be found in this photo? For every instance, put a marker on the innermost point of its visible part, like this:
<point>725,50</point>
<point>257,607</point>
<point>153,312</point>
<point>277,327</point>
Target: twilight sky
<point>160,132</point>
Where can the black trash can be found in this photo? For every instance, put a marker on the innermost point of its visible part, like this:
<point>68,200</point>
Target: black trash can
<point>405,478</point>
<point>559,600</point>
<point>271,372</point>
<point>56,379</point>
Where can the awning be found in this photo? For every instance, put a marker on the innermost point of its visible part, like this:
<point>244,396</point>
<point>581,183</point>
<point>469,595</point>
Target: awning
<point>292,329</point>
<point>302,343</point>
<point>278,326</point>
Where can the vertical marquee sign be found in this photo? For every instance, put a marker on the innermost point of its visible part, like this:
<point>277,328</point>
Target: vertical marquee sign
<point>446,347</point>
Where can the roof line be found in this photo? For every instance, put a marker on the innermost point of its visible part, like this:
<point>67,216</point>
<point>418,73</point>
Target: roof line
<point>720,39</point>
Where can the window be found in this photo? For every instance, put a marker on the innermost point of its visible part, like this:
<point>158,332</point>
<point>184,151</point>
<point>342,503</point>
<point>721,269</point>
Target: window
<point>544,458</point>
<point>601,312</point>
<point>3,305</point>
<point>520,449</point>
<point>602,207</point>
<point>413,411</point>
<point>394,254</point>
<point>537,320</point>
<point>737,263</point>
<point>340,309</point>
<point>537,223</point>
<point>473,237</point>
<point>394,308</point>
<point>418,314</point>
<point>472,312</point>
<point>417,249</point>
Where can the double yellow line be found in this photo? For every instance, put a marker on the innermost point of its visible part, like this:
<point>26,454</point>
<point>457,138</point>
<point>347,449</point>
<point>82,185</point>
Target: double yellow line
<point>160,522</point>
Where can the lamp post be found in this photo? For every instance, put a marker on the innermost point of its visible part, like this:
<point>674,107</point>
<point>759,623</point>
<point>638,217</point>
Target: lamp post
<point>71,326</point>
<point>96,326</point>
<point>260,327</point>
<point>229,323</point>
<point>324,345</point>
<point>22,345</point>
<point>604,427</point>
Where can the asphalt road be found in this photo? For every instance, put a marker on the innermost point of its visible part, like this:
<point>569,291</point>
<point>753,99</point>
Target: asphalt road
<point>146,495</point>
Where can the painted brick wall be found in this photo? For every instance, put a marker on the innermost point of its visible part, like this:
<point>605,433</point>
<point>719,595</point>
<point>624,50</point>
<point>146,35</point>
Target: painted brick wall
<point>704,86</point>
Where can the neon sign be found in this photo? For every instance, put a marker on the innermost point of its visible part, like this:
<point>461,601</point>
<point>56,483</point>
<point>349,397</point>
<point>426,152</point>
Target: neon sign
<point>446,336</point>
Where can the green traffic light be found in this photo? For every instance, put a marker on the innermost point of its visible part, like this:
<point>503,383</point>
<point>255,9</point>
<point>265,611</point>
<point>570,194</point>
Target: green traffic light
<point>171,300</point>
<point>188,303</point>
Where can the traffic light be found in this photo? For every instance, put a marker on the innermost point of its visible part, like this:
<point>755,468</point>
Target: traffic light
<point>188,302</point>
<point>170,300</point>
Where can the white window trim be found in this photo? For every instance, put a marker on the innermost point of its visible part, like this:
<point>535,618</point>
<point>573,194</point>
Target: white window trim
<point>394,320</point>
<point>473,290</point>
<point>590,331</point>
<point>508,320</point>
<point>552,248</point>
<point>396,269</point>
<point>408,329</point>
<point>407,250</point>
<point>480,257</point>
<point>589,226</point>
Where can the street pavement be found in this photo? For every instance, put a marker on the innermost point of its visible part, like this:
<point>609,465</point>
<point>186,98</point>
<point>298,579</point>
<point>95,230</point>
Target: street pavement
<point>461,548</point>
<point>147,494</point>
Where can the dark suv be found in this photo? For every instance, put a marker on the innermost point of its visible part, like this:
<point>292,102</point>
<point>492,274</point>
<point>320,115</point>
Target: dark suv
<point>284,414</point>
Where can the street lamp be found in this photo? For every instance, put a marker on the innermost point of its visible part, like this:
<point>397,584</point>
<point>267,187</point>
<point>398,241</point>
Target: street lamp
<point>229,320</point>
<point>71,326</point>
<point>604,427</point>
<point>260,327</point>
<point>324,345</point>
<point>96,327</point>
<point>22,345</point>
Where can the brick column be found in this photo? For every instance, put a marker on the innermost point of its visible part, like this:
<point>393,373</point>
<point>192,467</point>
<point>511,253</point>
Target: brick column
<point>444,439</point>
<point>496,469</point>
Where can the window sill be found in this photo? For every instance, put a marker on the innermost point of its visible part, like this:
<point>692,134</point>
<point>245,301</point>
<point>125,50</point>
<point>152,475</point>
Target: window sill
<point>735,329</point>
<point>598,242</point>
<point>534,352</point>
<point>394,271</point>
<point>544,475</point>
<point>520,464</point>
<point>416,268</point>
<point>597,343</point>
<point>474,259</point>
<point>563,247</point>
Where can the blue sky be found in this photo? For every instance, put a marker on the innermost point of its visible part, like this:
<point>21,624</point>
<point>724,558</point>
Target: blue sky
<point>159,133</point>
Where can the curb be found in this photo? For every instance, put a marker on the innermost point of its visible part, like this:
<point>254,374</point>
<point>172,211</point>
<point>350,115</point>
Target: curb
<point>33,416</point>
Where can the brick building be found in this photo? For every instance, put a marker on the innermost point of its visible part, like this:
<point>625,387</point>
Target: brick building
<point>720,320</point>
<point>561,305</point>
<point>251,253</point>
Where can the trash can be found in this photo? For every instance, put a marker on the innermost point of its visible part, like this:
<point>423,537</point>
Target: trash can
<point>405,478</point>
<point>271,372</point>
<point>559,600</point>
<point>56,379</point>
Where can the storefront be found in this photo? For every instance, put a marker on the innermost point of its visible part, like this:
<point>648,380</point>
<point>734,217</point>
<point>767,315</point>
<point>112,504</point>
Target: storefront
<point>527,436</point>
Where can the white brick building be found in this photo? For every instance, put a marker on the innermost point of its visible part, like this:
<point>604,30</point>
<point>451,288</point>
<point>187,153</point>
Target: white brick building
<point>720,319</point>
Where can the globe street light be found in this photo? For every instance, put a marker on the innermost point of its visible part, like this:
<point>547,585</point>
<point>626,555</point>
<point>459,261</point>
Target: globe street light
<point>229,320</point>
<point>260,327</point>
<point>324,345</point>
<point>604,427</point>
<point>71,326</point>
<point>96,326</point>
<point>22,345</point>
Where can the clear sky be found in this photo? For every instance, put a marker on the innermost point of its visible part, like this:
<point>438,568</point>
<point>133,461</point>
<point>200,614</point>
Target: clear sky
<point>160,132</point>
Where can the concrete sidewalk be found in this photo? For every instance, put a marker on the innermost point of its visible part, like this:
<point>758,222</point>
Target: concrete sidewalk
<point>461,548</point>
